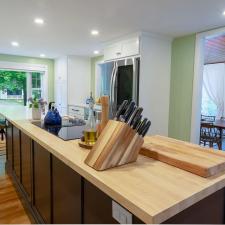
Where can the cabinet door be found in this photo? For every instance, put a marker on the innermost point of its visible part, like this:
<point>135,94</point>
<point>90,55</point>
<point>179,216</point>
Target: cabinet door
<point>66,187</point>
<point>16,153</point>
<point>9,147</point>
<point>130,47</point>
<point>113,51</point>
<point>42,182</point>
<point>97,206</point>
<point>26,164</point>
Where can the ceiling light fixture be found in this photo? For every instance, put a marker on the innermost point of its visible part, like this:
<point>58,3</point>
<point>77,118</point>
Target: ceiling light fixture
<point>14,43</point>
<point>96,52</point>
<point>39,21</point>
<point>224,13</point>
<point>94,32</point>
<point>42,55</point>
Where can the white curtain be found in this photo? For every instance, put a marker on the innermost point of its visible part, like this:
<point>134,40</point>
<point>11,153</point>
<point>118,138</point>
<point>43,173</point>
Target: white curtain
<point>214,85</point>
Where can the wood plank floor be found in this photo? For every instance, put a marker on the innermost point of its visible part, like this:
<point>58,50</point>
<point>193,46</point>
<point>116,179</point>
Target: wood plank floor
<point>11,207</point>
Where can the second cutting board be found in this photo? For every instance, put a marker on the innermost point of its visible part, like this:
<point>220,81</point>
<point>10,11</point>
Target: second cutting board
<point>193,158</point>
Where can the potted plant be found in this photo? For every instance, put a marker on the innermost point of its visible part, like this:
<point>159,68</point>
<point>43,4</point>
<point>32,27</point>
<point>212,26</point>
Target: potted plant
<point>38,107</point>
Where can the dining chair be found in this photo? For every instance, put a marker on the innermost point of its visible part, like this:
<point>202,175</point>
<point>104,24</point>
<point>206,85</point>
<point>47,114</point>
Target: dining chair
<point>2,128</point>
<point>210,135</point>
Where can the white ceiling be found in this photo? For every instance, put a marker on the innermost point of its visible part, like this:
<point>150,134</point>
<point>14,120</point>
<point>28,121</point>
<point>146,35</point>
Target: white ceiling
<point>68,22</point>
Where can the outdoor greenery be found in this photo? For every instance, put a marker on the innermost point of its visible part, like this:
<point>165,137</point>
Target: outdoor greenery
<point>12,80</point>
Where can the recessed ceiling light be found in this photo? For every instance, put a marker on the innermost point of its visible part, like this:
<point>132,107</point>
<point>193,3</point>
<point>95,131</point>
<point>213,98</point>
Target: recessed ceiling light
<point>42,55</point>
<point>95,32</point>
<point>14,43</point>
<point>224,13</point>
<point>39,21</point>
<point>96,52</point>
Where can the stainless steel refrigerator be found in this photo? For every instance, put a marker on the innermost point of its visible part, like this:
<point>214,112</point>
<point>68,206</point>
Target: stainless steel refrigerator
<point>120,81</point>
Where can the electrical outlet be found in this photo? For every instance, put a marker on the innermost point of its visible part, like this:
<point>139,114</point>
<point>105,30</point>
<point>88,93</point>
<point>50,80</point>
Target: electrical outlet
<point>120,214</point>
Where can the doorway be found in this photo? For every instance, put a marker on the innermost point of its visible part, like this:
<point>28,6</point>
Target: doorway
<point>19,81</point>
<point>209,80</point>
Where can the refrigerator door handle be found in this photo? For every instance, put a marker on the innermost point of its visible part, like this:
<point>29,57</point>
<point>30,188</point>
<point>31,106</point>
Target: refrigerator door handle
<point>114,92</point>
<point>111,90</point>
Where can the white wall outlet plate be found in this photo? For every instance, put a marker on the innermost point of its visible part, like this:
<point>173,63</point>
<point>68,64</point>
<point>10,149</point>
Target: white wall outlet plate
<point>120,214</point>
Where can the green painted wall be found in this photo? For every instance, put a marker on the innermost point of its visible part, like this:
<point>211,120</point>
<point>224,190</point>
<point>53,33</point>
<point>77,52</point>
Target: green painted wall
<point>94,60</point>
<point>48,62</point>
<point>181,89</point>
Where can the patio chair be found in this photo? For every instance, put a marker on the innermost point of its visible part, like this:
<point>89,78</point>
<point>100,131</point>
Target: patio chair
<point>210,135</point>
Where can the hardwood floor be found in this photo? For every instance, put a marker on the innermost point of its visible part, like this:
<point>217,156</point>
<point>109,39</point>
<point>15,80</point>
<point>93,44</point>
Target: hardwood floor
<point>11,207</point>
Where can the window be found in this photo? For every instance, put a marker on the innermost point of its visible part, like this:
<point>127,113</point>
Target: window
<point>209,108</point>
<point>36,85</point>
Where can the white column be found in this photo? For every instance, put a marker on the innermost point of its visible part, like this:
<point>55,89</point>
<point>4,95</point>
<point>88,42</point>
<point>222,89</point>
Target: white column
<point>29,85</point>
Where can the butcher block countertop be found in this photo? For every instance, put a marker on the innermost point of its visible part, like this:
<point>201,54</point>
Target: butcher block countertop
<point>151,190</point>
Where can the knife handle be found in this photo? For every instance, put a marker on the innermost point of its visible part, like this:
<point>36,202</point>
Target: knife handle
<point>121,109</point>
<point>136,116</point>
<point>145,129</point>
<point>128,111</point>
<point>141,126</point>
<point>136,122</point>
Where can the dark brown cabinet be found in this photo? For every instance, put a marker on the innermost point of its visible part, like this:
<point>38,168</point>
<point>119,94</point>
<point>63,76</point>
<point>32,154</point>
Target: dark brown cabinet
<point>42,183</point>
<point>26,164</point>
<point>66,187</point>
<point>16,153</point>
<point>9,145</point>
<point>97,206</point>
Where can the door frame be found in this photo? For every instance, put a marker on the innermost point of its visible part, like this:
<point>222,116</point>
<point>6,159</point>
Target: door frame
<point>28,67</point>
<point>197,82</point>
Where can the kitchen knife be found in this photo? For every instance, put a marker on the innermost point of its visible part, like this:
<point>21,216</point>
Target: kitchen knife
<point>132,112</point>
<point>132,116</point>
<point>145,129</point>
<point>141,126</point>
<point>129,110</point>
<point>136,115</point>
<point>137,122</point>
<point>121,109</point>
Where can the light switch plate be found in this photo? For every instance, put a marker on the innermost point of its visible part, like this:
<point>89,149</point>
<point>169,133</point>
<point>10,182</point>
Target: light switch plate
<point>120,214</point>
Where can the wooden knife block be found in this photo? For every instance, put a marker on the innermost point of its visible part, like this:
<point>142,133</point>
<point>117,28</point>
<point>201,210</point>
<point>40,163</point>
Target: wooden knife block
<point>117,145</point>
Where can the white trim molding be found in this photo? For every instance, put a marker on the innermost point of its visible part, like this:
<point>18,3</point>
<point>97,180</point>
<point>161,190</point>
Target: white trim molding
<point>197,82</point>
<point>27,67</point>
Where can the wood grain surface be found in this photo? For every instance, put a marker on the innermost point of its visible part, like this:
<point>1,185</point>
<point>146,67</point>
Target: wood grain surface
<point>116,146</point>
<point>153,191</point>
<point>193,158</point>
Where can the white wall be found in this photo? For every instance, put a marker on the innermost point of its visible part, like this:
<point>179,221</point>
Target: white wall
<point>61,86</point>
<point>79,77</point>
<point>154,89</point>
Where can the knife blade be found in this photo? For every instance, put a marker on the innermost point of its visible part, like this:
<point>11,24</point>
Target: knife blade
<point>146,128</point>
<point>121,109</point>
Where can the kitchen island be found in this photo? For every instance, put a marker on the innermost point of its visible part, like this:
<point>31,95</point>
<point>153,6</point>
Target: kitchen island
<point>58,187</point>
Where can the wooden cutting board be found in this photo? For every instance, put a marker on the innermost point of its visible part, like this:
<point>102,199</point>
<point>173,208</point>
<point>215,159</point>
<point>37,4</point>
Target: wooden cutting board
<point>193,158</point>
